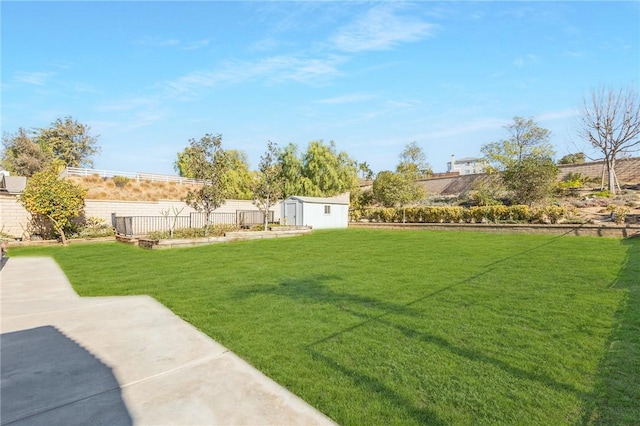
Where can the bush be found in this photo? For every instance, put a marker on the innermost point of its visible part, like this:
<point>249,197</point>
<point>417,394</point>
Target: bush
<point>618,213</point>
<point>475,214</point>
<point>121,181</point>
<point>602,194</point>
<point>214,231</point>
<point>94,227</point>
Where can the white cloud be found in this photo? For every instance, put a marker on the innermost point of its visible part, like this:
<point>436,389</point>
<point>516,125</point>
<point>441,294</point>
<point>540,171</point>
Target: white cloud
<point>558,115</point>
<point>272,69</point>
<point>525,60</point>
<point>347,99</point>
<point>35,78</point>
<point>171,42</point>
<point>381,29</point>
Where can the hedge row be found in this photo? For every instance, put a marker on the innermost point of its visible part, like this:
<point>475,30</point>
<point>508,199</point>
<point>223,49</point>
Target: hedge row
<point>480,214</point>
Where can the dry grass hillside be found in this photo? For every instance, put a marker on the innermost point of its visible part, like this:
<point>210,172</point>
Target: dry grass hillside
<point>100,188</point>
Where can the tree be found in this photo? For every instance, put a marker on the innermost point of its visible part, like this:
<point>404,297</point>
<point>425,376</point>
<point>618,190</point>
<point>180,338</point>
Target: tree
<point>182,164</point>
<point>400,188</point>
<point>413,162</point>
<point>57,199</point>
<point>576,158</point>
<point>327,172</point>
<point>394,189</point>
<point>320,171</point>
<point>22,155</point>
<point>524,160</point>
<point>210,163</point>
<point>367,173</point>
<point>238,178</point>
<point>290,170</point>
<point>267,187</point>
<point>610,122</point>
<point>69,141</point>
<point>531,180</point>
<point>526,138</point>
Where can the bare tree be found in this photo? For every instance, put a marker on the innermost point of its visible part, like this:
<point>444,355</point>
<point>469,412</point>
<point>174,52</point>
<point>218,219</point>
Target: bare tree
<point>268,185</point>
<point>610,122</point>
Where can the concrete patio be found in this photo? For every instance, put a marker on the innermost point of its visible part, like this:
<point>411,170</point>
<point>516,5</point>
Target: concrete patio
<point>121,360</point>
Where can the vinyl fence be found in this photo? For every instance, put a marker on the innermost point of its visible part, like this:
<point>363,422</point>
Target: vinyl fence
<point>143,225</point>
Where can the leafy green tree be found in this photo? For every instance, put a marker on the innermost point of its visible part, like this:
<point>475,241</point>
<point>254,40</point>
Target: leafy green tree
<point>366,171</point>
<point>400,188</point>
<point>22,156</point>
<point>54,198</point>
<point>320,171</point>
<point>182,163</point>
<point>413,162</point>
<point>394,189</point>
<point>290,170</point>
<point>69,141</point>
<point>238,178</point>
<point>327,171</point>
<point>576,158</point>
<point>524,160</point>
<point>267,187</point>
<point>210,163</point>
<point>526,138</point>
<point>531,180</point>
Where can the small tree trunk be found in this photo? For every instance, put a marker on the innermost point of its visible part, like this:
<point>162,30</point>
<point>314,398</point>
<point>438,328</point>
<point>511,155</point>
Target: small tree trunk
<point>612,175</point>
<point>58,228</point>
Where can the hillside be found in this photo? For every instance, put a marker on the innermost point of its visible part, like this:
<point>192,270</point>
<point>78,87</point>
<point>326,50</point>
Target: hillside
<point>100,188</point>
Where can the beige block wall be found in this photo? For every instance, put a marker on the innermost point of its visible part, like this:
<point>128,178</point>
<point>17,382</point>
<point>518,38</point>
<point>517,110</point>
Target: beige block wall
<point>14,218</point>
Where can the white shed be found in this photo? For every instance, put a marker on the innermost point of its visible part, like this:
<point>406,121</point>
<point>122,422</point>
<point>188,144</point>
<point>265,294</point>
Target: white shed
<point>316,212</point>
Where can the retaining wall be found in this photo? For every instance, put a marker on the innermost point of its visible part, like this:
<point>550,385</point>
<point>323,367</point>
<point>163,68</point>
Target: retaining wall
<point>628,231</point>
<point>627,171</point>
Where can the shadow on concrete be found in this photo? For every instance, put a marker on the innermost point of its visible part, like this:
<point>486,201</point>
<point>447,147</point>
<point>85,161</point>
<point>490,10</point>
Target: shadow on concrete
<point>47,378</point>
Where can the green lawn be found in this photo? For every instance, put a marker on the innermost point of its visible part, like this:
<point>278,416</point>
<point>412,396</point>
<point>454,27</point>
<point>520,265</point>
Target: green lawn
<point>408,327</point>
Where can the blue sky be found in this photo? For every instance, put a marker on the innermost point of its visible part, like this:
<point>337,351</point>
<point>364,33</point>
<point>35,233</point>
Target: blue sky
<point>371,76</point>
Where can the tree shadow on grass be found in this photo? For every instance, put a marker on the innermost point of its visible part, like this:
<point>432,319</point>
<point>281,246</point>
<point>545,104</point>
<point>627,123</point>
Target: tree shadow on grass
<point>615,399</point>
<point>375,386</point>
<point>314,289</point>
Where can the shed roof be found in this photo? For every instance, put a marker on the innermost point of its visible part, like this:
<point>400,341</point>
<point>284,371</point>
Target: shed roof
<point>12,184</point>
<point>320,200</point>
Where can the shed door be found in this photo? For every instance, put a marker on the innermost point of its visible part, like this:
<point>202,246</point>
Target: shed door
<point>290,213</point>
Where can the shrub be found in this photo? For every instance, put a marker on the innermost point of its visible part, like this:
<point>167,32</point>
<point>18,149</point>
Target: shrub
<point>618,213</point>
<point>549,214</point>
<point>121,181</point>
<point>94,227</point>
<point>214,231</point>
<point>602,194</point>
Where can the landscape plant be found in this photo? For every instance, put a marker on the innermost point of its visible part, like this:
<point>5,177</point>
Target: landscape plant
<point>54,199</point>
<point>610,124</point>
<point>209,162</point>
<point>267,186</point>
<point>408,327</point>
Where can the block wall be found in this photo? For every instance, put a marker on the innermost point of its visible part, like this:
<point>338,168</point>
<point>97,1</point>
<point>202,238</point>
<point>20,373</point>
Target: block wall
<point>14,218</point>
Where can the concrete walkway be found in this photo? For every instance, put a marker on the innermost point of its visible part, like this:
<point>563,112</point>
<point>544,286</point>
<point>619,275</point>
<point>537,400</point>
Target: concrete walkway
<point>166,372</point>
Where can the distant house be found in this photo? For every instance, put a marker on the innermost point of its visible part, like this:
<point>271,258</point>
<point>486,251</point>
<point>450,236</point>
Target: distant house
<point>466,166</point>
<point>317,212</point>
